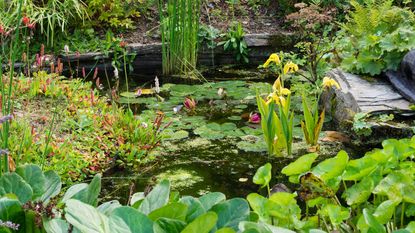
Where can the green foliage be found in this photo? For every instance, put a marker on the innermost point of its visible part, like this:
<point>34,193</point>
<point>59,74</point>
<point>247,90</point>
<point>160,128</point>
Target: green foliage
<point>208,35</point>
<point>114,13</point>
<point>52,18</point>
<point>234,41</point>
<point>179,33</point>
<point>313,122</point>
<point>375,37</point>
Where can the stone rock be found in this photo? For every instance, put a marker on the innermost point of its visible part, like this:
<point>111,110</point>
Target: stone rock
<point>359,94</point>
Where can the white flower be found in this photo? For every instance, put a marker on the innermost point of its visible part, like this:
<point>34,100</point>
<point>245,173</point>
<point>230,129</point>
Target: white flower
<point>138,92</point>
<point>116,72</point>
<point>144,125</point>
<point>157,85</point>
<point>66,48</point>
<point>177,108</point>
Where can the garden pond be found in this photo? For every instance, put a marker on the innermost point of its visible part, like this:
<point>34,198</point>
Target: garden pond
<point>213,147</point>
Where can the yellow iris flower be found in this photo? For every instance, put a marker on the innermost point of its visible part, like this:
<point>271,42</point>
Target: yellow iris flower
<point>329,82</point>
<point>277,87</point>
<point>272,58</point>
<point>290,67</point>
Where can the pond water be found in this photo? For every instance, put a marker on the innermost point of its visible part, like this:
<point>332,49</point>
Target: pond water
<point>214,148</point>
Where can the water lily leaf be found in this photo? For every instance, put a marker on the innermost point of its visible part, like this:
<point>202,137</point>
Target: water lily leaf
<point>301,165</point>
<point>210,199</point>
<point>231,212</point>
<point>202,224</point>
<point>259,146</point>
<point>11,183</point>
<point>331,168</point>
<point>228,126</point>
<point>263,175</point>
<point>178,135</point>
<point>157,198</point>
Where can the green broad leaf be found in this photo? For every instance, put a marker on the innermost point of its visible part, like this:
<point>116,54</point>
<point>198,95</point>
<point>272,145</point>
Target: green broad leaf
<point>385,211</point>
<point>107,207</point>
<point>157,198</point>
<point>360,192</point>
<point>391,186</point>
<point>194,208</point>
<point>73,190</point>
<point>85,217</point>
<point>337,214</point>
<point>10,209</point>
<point>258,205</point>
<point>231,212</point>
<point>11,183</point>
<point>90,194</point>
<point>411,226</point>
<point>33,175</point>
<point>253,227</point>
<point>175,211</point>
<point>359,168</point>
<point>53,186</point>
<point>301,165</point>
<point>202,224</point>
<point>371,221</point>
<point>331,168</point>
<point>135,221</point>
<point>165,225</point>
<point>225,230</point>
<point>136,198</point>
<point>56,226</point>
<point>210,199</point>
<point>283,208</point>
<point>263,175</point>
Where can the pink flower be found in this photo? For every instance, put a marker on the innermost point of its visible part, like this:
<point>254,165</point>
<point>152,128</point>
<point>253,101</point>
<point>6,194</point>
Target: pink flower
<point>254,118</point>
<point>189,103</point>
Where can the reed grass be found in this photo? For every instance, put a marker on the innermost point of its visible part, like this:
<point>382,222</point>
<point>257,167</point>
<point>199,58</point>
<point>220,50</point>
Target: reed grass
<point>179,25</point>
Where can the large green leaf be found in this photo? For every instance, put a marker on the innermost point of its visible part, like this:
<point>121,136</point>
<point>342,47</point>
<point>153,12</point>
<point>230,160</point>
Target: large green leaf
<point>337,214</point>
<point>53,186</point>
<point>165,225</point>
<point>56,226</point>
<point>331,168</point>
<point>371,221</point>
<point>226,230</point>
<point>107,207</point>
<point>157,198</point>
<point>301,165</point>
<point>231,212</point>
<point>132,218</point>
<point>85,217</point>
<point>360,192</point>
<point>176,211</point>
<point>253,227</point>
<point>33,175</point>
<point>14,184</point>
<point>385,211</point>
<point>202,224</point>
<point>84,192</point>
<point>359,168</point>
<point>263,175</point>
<point>210,199</point>
<point>10,209</point>
<point>195,208</point>
<point>258,205</point>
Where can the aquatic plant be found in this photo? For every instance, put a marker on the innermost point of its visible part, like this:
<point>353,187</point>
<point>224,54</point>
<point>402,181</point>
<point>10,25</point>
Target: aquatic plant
<point>234,41</point>
<point>277,118</point>
<point>179,26</point>
<point>313,120</point>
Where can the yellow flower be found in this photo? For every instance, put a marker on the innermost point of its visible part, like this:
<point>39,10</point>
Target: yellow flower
<point>329,82</point>
<point>277,87</point>
<point>272,58</point>
<point>290,67</point>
